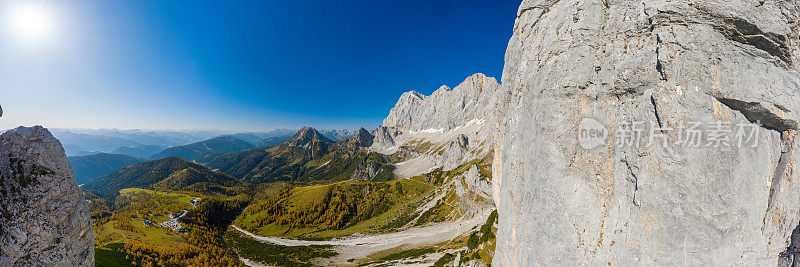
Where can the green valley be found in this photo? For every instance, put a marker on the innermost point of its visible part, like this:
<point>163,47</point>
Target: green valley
<point>306,201</point>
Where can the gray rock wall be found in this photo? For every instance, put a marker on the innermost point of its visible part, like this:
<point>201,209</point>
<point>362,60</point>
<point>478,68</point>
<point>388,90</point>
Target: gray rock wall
<point>446,108</point>
<point>44,218</point>
<point>667,64</point>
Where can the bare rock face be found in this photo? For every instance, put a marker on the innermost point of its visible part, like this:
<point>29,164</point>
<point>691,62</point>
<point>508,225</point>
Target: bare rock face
<point>44,218</point>
<point>364,138</point>
<point>666,64</point>
<point>384,137</point>
<point>446,108</point>
<point>445,129</point>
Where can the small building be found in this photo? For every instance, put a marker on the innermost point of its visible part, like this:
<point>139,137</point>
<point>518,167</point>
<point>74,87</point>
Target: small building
<point>194,202</point>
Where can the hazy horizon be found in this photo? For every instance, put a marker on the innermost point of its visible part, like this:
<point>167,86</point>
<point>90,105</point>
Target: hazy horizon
<point>224,131</point>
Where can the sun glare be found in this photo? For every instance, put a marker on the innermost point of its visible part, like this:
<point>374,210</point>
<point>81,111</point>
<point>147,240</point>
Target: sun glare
<point>31,22</point>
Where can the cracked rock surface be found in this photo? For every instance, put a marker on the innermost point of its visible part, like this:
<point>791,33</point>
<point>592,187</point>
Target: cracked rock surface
<point>663,63</point>
<point>446,108</point>
<point>44,218</point>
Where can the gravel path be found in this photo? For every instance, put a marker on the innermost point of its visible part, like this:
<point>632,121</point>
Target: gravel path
<point>364,246</point>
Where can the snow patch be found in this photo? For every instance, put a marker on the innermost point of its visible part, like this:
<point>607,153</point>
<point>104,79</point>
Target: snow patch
<point>428,131</point>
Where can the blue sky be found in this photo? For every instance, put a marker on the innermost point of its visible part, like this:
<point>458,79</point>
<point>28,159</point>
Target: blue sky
<point>245,65</point>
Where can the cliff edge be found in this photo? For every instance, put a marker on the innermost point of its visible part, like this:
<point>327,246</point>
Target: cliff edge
<point>700,185</point>
<point>44,218</point>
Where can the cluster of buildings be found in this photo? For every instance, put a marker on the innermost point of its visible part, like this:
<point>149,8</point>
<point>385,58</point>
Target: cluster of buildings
<point>172,223</point>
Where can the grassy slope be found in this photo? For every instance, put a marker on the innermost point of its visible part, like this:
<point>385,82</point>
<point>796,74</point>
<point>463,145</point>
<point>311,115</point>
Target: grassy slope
<point>161,237</point>
<point>111,255</point>
<point>179,197</point>
<point>304,198</point>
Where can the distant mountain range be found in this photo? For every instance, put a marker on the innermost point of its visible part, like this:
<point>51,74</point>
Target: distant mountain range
<point>306,156</point>
<point>146,137</point>
<point>90,165</point>
<point>338,135</point>
<point>77,143</point>
<point>139,151</point>
<point>222,144</point>
<point>87,168</point>
<point>145,144</point>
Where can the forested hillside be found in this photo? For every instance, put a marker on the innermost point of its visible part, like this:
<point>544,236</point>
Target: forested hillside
<point>223,144</point>
<point>168,173</point>
<point>88,168</point>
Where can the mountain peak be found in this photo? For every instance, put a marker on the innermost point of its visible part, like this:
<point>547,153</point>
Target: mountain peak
<point>445,108</point>
<point>364,137</point>
<point>308,134</point>
<point>412,94</point>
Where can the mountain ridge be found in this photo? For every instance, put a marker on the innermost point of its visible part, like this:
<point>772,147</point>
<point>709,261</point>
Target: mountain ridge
<point>87,168</point>
<point>222,144</point>
<point>148,174</point>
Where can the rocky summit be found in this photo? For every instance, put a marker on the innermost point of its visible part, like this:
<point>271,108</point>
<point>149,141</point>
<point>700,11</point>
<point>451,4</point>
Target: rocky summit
<point>44,219</point>
<point>453,118</point>
<point>446,108</point>
<point>608,66</point>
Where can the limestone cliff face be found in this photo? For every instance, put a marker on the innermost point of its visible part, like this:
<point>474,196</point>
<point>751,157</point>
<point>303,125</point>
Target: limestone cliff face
<point>44,219</point>
<point>452,120</point>
<point>447,130</point>
<point>663,63</point>
<point>444,130</point>
<point>446,108</point>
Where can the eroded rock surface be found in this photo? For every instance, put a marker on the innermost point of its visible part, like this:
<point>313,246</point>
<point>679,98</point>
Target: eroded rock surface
<point>44,219</point>
<point>446,108</point>
<point>663,63</point>
<point>445,129</point>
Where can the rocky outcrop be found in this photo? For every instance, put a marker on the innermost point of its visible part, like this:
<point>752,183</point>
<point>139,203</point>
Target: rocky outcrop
<point>666,64</point>
<point>44,219</point>
<point>364,138</point>
<point>445,129</point>
<point>308,135</point>
<point>478,184</point>
<point>444,109</point>
<point>384,137</point>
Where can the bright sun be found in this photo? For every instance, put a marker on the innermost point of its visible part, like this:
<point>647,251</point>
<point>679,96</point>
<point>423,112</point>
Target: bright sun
<point>31,22</point>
